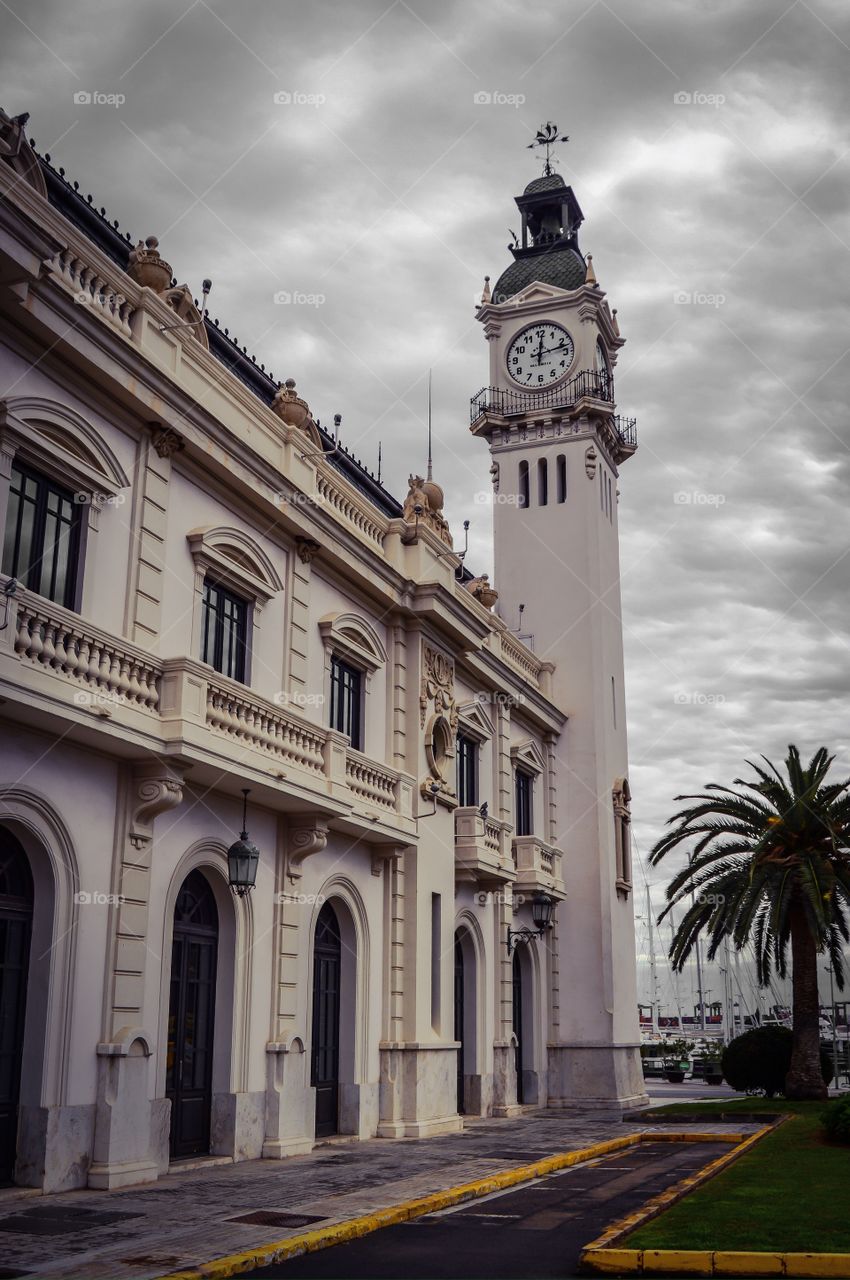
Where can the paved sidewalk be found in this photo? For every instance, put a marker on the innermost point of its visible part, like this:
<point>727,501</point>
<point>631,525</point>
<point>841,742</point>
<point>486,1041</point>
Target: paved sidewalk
<point>189,1218</point>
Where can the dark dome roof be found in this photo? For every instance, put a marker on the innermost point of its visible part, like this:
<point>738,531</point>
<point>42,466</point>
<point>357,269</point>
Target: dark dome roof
<point>564,268</point>
<point>550,182</point>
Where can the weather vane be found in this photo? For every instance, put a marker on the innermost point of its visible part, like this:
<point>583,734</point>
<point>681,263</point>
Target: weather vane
<point>546,137</point>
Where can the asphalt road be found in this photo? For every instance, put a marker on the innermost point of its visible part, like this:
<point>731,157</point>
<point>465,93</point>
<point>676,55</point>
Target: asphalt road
<point>537,1230</point>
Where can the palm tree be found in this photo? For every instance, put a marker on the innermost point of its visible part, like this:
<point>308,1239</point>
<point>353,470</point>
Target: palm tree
<point>771,866</point>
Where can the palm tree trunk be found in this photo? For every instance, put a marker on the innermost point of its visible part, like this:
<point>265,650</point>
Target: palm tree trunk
<point>804,1079</point>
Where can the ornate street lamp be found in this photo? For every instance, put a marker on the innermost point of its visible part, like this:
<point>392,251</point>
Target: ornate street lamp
<point>243,856</point>
<point>542,907</point>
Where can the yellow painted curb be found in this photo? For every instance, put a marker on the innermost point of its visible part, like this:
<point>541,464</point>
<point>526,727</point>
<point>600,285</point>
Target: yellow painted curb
<point>707,1262</point>
<point>624,1226</point>
<point>339,1232</point>
<point>601,1258</point>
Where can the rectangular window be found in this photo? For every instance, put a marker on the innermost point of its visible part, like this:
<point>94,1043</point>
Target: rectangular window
<point>224,631</point>
<point>42,541</point>
<point>346,689</point>
<point>467,770</point>
<point>524,818</point>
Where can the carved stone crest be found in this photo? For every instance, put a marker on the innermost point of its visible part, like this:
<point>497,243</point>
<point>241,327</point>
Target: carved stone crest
<point>590,459</point>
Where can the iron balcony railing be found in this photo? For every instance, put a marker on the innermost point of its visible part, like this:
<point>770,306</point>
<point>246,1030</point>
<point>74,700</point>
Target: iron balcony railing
<point>626,429</point>
<point>588,383</point>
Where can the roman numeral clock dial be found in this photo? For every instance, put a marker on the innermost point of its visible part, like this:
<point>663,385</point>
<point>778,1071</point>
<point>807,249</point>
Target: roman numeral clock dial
<point>540,355</point>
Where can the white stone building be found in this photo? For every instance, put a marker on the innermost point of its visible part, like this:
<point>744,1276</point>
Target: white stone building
<point>198,597</point>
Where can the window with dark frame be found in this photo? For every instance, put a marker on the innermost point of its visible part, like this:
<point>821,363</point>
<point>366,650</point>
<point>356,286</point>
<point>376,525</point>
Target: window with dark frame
<point>42,540</point>
<point>523,817</point>
<point>467,770</point>
<point>346,694</point>
<point>224,631</point>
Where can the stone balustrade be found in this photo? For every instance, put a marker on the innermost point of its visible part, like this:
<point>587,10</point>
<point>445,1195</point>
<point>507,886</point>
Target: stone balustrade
<point>256,723</point>
<point>94,289</point>
<point>538,866</point>
<point>104,672</point>
<point>351,511</point>
<point>482,852</point>
<point>372,781</point>
<point>522,659</point>
<point>184,700</point>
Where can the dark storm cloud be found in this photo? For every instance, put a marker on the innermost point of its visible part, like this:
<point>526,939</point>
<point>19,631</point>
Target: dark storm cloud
<point>718,225</point>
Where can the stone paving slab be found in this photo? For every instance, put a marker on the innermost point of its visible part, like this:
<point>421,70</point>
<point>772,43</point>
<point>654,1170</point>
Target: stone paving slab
<point>185,1219</point>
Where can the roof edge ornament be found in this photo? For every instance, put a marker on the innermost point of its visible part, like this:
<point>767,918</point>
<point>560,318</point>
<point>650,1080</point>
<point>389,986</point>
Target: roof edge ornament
<point>16,150</point>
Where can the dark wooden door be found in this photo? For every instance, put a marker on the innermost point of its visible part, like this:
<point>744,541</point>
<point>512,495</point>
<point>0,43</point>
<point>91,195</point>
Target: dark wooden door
<point>459,1015</point>
<point>16,903</point>
<point>327,956</point>
<point>191,1017</point>
<point>517,1012</point>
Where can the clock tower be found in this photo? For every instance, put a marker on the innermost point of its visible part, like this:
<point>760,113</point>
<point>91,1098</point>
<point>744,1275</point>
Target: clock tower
<point>557,446</point>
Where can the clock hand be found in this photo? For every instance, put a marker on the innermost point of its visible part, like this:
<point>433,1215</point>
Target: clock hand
<point>540,349</point>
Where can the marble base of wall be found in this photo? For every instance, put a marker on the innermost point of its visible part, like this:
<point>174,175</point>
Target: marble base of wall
<point>290,1102</point>
<point>54,1147</point>
<point>161,1134</point>
<point>359,1109</point>
<point>595,1076</point>
<point>504,1081</point>
<point>478,1095</point>
<point>418,1092</point>
<point>237,1125</point>
<point>121,1152</point>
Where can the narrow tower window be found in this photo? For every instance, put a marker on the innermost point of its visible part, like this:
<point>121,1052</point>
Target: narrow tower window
<point>436,959</point>
<point>561,477</point>
<point>524,495</point>
<point>542,482</point>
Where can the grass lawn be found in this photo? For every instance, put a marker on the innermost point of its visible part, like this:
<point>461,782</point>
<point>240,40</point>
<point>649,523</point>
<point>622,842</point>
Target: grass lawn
<point>790,1193</point>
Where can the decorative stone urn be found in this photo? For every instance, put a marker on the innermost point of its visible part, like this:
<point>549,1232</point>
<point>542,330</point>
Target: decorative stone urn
<point>147,268</point>
<point>289,406</point>
<point>482,590</point>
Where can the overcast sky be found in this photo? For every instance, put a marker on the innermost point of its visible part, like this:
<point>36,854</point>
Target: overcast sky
<point>383,191</point>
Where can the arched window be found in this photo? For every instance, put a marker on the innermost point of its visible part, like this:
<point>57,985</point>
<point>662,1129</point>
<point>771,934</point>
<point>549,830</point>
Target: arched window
<point>524,495</point>
<point>561,477</point>
<point>542,482</point>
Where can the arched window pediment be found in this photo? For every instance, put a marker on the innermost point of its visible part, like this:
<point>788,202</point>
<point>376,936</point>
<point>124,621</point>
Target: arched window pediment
<point>236,559</point>
<point>353,637</point>
<point>49,434</point>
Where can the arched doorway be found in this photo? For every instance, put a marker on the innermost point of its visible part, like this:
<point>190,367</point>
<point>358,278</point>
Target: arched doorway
<point>517,1025</point>
<point>459,1020</point>
<point>324,1073</point>
<point>16,909</point>
<point>191,1017</point>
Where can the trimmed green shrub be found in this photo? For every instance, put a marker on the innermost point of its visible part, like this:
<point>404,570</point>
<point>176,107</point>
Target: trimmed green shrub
<point>836,1120</point>
<point>759,1061</point>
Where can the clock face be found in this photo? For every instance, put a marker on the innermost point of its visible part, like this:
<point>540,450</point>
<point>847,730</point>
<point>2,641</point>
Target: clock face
<point>540,355</point>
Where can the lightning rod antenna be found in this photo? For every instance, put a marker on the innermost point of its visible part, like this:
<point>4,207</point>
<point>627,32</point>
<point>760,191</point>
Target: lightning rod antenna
<point>430,467</point>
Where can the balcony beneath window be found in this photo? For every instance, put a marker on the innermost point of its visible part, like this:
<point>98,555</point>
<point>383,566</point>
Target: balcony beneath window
<point>58,672</point>
<point>482,848</point>
<point>538,866</point>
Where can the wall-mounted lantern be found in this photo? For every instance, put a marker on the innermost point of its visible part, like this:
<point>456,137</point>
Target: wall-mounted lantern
<point>243,856</point>
<point>542,908</point>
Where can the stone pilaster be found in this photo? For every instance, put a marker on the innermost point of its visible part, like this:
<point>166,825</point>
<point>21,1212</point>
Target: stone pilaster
<point>503,763</point>
<point>299,613</point>
<point>150,519</point>
<point>130,1131</point>
<point>399,695</point>
<point>550,741</point>
<point>504,1059</point>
